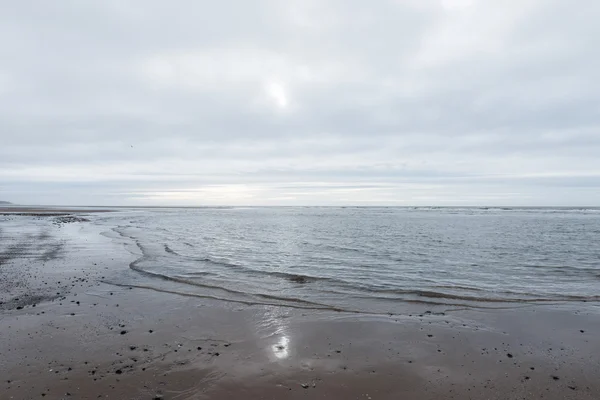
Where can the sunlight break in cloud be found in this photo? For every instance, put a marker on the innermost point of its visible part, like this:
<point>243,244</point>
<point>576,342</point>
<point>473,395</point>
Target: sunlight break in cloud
<point>277,93</point>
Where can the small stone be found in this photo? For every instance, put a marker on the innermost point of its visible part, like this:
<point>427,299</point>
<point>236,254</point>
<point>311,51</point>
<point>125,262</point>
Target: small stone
<point>304,385</point>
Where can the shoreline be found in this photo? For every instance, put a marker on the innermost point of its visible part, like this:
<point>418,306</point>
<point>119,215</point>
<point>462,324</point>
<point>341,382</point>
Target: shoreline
<point>89,338</point>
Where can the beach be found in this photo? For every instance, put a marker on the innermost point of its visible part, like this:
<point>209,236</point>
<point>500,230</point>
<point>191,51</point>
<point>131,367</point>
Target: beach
<point>68,331</point>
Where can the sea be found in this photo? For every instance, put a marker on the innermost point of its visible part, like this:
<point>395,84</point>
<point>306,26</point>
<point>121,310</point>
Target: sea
<point>362,259</point>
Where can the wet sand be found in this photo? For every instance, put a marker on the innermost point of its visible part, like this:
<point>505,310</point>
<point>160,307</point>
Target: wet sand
<point>66,333</point>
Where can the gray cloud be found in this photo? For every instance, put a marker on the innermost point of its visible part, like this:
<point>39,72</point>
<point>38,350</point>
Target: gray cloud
<point>300,102</point>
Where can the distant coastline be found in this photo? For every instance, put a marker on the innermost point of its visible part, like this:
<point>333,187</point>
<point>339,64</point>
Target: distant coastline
<point>7,208</point>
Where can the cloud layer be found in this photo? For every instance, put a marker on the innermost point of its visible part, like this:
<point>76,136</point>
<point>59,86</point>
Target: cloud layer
<point>300,102</point>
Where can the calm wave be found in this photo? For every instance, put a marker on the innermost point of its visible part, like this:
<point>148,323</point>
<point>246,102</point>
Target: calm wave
<point>365,259</point>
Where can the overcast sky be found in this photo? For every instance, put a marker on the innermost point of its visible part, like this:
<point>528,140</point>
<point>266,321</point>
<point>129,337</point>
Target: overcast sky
<point>300,102</point>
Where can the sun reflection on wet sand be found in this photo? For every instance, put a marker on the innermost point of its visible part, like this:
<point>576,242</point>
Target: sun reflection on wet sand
<point>275,323</point>
<point>281,348</point>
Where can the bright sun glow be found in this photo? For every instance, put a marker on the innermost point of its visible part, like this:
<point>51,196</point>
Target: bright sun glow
<point>276,92</point>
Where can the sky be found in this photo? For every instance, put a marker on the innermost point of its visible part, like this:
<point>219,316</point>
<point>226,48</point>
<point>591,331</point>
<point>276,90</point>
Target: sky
<point>300,102</point>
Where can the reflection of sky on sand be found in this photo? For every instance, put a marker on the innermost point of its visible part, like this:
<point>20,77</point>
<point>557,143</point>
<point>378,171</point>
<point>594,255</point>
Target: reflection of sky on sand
<point>275,320</point>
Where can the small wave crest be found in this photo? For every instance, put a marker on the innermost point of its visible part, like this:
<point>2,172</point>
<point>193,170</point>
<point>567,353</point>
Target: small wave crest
<point>170,251</point>
<point>292,277</point>
<point>408,295</point>
<point>182,280</point>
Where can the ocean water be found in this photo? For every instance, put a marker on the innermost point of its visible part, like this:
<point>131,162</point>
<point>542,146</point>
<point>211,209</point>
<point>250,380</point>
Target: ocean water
<point>363,259</point>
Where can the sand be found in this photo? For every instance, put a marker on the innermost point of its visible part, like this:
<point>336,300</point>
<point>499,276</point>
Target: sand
<point>67,333</point>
